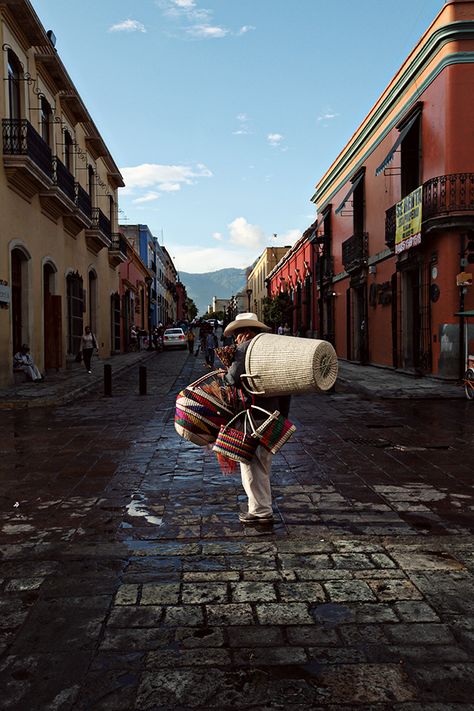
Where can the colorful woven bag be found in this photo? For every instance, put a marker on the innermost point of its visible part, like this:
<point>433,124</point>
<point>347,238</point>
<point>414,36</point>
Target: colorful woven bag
<point>235,444</point>
<point>274,431</point>
<point>199,414</point>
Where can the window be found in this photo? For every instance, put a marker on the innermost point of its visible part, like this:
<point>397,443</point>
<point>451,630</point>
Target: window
<point>91,182</point>
<point>14,94</point>
<point>68,151</point>
<point>45,121</point>
<point>411,156</point>
<point>358,203</point>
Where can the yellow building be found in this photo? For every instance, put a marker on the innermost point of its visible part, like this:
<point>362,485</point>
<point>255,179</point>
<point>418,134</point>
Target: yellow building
<point>59,250</point>
<point>256,285</point>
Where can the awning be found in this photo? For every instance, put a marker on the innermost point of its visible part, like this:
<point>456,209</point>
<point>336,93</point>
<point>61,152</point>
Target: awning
<point>353,187</point>
<point>389,157</point>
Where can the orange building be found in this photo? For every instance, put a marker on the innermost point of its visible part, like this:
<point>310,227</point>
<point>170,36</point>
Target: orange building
<point>396,225</point>
<point>135,286</point>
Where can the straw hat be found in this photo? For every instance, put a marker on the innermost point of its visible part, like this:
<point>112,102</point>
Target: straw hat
<point>248,320</point>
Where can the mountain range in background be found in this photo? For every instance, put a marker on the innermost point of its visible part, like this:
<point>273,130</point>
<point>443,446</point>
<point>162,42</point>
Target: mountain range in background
<point>201,288</point>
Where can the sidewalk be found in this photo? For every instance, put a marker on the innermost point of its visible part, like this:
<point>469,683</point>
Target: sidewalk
<point>66,385</point>
<point>385,383</point>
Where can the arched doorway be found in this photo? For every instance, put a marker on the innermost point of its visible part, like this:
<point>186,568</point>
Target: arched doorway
<point>19,265</point>
<point>115,322</point>
<point>93,301</point>
<point>52,315</point>
<point>75,312</point>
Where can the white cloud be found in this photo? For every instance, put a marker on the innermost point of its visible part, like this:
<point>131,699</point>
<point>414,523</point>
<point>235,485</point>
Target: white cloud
<point>128,26</point>
<point>197,22</point>
<point>328,116</point>
<point>148,197</point>
<point>154,177</point>
<point>246,28</point>
<point>275,139</point>
<point>209,259</point>
<point>248,243</point>
<point>243,233</point>
<point>241,132</point>
<point>242,117</point>
<point>207,31</point>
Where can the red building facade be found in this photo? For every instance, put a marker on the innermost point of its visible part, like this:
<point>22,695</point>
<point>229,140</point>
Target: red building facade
<point>396,215</point>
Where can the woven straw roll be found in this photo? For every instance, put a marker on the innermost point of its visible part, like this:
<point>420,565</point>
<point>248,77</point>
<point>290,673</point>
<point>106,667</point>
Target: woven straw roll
<point>284,365</point>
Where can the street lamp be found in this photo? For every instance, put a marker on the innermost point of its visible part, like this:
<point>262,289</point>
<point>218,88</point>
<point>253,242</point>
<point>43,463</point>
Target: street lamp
<point>249,294</point>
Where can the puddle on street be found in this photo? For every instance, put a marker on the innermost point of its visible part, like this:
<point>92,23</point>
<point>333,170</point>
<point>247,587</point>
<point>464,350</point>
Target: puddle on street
<point>137,508</point>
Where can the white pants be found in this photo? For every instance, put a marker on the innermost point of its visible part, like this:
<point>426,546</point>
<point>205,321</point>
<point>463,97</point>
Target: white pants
<point>32,372</point>
<point>256,482</point>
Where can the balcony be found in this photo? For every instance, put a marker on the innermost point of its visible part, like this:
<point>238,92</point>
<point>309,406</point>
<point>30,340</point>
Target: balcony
<point>99,234</point>
<point>59,200</point>
<point>81,216</point>
<point>355,252</point>
<point>447,203</point>
<point>27,158</point>
<point>118,250</point>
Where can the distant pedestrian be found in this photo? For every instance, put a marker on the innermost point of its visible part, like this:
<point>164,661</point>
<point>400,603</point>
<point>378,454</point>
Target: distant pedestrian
<point>190,337</point>
<point>23,361</point>
<point>211,345</point>
<point>281,330</point>
<point>286,330</point>
<point>88,346</point>
<point>134,342</point>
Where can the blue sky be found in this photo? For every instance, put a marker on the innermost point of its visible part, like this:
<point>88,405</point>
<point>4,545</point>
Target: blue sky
<point>223,114</point>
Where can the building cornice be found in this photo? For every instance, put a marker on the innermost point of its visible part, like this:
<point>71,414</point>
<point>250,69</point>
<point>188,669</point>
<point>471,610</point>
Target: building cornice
<point>454,32</point>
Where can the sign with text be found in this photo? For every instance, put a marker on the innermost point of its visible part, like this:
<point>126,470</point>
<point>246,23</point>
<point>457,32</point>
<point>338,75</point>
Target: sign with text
<point>408,221</point>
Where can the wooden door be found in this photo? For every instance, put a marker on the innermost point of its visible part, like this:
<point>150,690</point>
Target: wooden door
<point>52,332</point>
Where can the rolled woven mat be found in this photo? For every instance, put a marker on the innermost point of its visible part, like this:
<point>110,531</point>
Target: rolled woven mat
<point>283,365</point>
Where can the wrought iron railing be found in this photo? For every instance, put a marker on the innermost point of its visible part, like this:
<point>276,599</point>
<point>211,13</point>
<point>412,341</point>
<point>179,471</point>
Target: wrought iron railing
<point>442,196</point>
<point>153,266</point>
<point>63,179</point>
<point>355,251</point>
<point>101,222</point>
<point>119,243</point>
<point>20,138</point>
<point>83,201</point>
<point>448,193</point>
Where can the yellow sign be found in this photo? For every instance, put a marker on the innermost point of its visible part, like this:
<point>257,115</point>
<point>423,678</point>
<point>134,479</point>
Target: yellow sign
<point>463,279</point>
<point>408,221</point>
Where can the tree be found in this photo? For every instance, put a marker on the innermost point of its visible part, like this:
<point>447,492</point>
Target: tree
<point>190,308</point>
<point>278,310</point>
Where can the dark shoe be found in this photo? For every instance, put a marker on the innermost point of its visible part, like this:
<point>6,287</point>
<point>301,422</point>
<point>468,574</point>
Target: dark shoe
<point>251,518</point>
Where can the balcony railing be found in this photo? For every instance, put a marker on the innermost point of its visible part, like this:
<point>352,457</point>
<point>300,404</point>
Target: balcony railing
<point>63,179</point>
<point>119,244</point>
<point>443,196</point>
<point>355,251</point>
<point>153,266</point>
<point>83,201</point>
<point>21,139</point>
<point>101,222</point>
<point>448,193</point>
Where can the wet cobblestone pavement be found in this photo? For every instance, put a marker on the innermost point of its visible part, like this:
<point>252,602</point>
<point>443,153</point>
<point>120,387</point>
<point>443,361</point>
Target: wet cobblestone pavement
<point>127,582</point>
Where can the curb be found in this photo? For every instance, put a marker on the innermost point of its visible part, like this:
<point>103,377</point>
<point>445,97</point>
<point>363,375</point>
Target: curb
<point>62,399</point>
<point>397,392</point>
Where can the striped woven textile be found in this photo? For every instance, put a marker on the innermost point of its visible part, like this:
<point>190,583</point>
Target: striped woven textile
<point>235,444</point>
<point>198,416</point>
<point>276,434</point>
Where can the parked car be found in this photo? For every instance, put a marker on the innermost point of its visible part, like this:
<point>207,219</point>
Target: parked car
<point>174,338</point>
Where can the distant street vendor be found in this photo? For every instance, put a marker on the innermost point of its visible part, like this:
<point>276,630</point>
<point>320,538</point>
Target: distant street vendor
<point>255,474</point>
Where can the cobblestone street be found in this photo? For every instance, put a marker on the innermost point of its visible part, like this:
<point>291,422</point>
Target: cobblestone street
<point>128,583</point>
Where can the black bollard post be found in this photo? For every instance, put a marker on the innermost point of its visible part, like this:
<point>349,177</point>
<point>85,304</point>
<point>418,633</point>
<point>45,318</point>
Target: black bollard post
<point>142,379</point>
<point>107,380</point>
